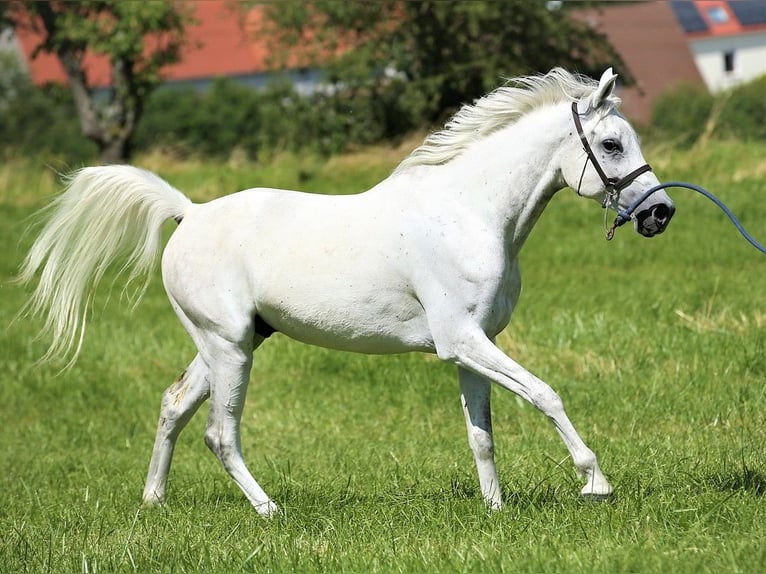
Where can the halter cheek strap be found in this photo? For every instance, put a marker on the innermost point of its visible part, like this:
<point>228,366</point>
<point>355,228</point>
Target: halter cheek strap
<point>613,185</point>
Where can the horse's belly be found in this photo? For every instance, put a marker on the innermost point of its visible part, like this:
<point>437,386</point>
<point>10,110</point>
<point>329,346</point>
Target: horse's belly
<point>363,321</point>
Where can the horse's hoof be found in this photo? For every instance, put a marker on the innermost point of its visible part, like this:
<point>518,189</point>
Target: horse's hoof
<point>596,497</point>
<point>267,509</point>
<point>152,501</point>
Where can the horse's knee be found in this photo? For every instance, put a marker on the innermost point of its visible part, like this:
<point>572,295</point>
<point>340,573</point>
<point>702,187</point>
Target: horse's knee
<point>547,400</point>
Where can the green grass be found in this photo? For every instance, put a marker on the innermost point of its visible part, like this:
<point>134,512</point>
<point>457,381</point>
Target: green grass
<point>656,347</point>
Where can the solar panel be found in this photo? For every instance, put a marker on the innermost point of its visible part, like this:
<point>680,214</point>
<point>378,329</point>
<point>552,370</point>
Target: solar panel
<point>749,13</point>
<point>688,17</point>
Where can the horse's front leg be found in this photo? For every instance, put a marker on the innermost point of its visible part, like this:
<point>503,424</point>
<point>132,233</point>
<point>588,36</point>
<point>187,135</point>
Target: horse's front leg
<point>475,352</point>
<point>475,398</point>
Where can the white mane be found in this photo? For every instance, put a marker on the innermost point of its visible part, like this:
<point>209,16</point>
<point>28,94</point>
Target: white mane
<point>496,110</point>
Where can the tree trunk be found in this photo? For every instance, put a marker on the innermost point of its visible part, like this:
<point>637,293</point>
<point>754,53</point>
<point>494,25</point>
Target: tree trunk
<point>115,151</point>
<point>111,134</point>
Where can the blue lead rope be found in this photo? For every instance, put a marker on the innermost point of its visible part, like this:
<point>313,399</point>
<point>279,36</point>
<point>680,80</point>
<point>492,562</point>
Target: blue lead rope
<point>624,215</point>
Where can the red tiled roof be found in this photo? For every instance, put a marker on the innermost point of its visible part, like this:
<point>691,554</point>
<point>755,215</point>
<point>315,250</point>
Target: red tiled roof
<point>220,43</point>
<point>728,25</point>
<point>704,18</point>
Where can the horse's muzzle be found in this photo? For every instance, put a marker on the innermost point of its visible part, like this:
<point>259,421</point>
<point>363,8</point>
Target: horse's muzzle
<point>655,219</point>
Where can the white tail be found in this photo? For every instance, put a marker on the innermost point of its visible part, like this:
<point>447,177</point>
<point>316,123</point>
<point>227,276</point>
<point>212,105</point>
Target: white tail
<point>105,213</point>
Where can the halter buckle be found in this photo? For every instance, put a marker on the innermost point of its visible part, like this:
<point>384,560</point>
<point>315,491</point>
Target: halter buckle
<point>611,193</point>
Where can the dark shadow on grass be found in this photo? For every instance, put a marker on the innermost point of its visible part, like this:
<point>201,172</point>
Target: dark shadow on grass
<point>532,495</point>
<point>344,496</point>
<point>743,479</point>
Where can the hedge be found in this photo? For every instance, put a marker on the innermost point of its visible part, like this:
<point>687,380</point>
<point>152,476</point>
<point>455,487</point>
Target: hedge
<point>686,112</point>
<point>230,117</point>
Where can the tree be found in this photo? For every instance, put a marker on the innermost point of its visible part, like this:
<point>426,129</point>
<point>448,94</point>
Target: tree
<point>442,53</point>
<point>138,38</point>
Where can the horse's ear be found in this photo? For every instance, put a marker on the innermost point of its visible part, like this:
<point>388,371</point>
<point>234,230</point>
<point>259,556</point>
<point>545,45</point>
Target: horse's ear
<point>604,90</point>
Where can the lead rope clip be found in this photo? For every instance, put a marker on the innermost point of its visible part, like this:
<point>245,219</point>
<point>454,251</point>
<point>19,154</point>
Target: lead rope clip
<point>610,197</point>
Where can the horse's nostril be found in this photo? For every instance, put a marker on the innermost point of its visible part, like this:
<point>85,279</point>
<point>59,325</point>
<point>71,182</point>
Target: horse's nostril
<point>662,213</point>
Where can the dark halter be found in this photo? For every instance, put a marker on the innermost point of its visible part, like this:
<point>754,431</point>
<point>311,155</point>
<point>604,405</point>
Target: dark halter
<point>613,185</point>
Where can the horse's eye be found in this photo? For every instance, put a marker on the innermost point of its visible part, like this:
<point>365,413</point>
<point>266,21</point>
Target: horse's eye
<point>612,146</point>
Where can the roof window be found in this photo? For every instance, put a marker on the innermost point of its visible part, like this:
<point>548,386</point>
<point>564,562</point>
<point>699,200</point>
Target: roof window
<point>717,15</point>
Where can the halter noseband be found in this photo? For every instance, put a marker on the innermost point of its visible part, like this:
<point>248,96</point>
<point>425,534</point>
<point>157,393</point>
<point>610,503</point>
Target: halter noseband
<point>613,185</point>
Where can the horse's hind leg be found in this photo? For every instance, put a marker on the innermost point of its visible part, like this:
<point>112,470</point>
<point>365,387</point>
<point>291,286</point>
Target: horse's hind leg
<point>179,403</point>
<point>475,398</point>
<point>229,376</point>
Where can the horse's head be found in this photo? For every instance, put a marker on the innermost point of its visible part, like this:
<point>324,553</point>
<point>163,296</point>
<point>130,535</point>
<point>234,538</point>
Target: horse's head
<point>603,160</point>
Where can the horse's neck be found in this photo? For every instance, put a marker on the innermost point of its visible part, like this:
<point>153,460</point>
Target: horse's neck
<point>510,176</point>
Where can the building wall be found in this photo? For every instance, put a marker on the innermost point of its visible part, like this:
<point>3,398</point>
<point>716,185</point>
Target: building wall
<point>652,45</point>
<point>749,59</point>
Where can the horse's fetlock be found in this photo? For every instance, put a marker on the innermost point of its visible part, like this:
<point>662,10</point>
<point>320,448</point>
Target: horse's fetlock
<point>585,463</point>
<point>481,444</point>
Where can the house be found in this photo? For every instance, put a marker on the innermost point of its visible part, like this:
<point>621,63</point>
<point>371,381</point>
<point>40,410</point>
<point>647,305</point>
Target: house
<point>726,39</point>
<point>222,42</point>
<point>712,43</point>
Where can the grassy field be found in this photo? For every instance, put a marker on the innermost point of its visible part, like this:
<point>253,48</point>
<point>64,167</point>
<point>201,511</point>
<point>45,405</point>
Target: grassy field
<point>656,347</point>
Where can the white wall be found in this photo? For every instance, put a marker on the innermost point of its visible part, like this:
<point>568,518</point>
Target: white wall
<point>749,59</point>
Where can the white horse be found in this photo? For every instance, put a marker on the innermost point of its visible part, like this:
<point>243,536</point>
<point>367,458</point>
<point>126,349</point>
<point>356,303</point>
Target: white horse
<point>427,260</point>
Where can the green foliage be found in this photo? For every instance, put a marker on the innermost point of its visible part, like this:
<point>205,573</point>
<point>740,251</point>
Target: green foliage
<point>231,117</point>
<point>38,121</point>
<point>682,113</point>
<point>227,119</point>
<point>137,38</point>
<point>685,113</point>
<point>212,124</point>
<point>411,63</point>
<point>449,52</point>
<point>111,28</point>
<point>744,112</point>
